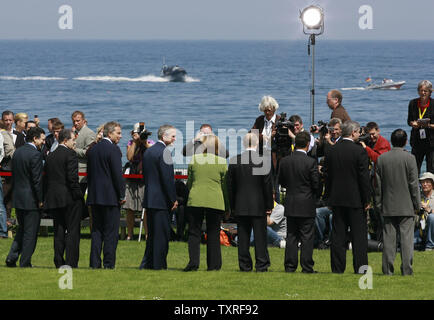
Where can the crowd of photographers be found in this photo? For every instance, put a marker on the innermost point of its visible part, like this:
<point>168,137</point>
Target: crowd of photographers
<point>279,131</point>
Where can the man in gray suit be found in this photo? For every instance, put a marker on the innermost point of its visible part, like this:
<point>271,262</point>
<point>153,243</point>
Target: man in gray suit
<point>398,199</point>
<point>85,137</point>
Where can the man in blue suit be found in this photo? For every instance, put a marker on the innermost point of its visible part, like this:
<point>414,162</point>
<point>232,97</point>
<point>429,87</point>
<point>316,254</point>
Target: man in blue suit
<point>106,193</point>
<point>159,198</point>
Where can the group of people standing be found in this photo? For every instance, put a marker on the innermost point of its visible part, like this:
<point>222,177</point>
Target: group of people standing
<point>351,177</point>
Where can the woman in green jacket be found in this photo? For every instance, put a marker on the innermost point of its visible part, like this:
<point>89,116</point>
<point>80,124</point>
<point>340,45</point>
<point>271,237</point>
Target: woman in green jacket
<point>207,198</point>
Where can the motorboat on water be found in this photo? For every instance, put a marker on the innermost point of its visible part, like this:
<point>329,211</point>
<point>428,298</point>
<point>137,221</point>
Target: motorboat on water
<point>387,84</point>
<point>173,73</point>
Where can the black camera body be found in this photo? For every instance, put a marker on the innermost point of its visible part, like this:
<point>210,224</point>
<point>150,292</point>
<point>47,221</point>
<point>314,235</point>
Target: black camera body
<point>282,140</point>
<point>145,134</point>
<point>365,136</point>
<point>323,127</point>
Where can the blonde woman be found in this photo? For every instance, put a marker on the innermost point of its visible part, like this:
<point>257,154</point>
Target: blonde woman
<point>207,198</point>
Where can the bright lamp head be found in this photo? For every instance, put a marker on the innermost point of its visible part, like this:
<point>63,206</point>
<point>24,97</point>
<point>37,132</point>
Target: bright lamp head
<point>312,18</point>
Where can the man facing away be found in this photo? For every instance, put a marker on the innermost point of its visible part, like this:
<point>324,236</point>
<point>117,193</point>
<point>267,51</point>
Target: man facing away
<point>251,198</point>
<point>27,198</point>
<point>106,193</point>
<point>159,198</point>
<point>347,192</point>
<point>398,198</point>
<point>64,199</point>
<point>299,174</point>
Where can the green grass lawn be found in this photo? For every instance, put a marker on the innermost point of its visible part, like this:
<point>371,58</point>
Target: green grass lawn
<point>128,282</point>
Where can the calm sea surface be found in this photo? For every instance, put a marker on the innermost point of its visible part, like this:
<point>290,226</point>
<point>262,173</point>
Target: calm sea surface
<point>120,80</point>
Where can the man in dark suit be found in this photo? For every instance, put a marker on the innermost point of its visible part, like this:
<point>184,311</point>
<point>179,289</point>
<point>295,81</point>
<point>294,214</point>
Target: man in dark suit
<point>347,192</point>
<point>106,193</point>
<point>27,188</point>
<point>251,198</point>
<point>159,198</point>
<point>299,174</point>
<point>63,199</point>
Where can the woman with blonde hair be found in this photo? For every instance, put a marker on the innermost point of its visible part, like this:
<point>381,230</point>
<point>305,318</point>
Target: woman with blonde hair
<point>207,198</point>
<point>20,120</point>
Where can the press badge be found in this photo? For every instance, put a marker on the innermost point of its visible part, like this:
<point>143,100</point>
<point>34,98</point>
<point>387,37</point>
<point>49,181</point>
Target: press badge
<point>422,133</point>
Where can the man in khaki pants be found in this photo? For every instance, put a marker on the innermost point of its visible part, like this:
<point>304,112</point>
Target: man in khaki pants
<point>398,199</point>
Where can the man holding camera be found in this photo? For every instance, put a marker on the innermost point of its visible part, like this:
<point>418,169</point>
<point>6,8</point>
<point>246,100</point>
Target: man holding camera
<point>328,137</point>
<point>377,143</point>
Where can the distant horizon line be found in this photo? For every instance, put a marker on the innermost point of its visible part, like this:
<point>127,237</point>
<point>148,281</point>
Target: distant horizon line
<point>103,39</point>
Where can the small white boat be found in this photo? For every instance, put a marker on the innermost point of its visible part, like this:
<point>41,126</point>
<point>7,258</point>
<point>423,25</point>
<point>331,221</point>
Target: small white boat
<point>387,84</point>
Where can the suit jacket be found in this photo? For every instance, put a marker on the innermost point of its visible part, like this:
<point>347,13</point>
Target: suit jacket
<point>20,140</point>
<point>398,192</point>
<point>259,125</point>
<point>347,175</point>
<point>27,185</point>
<point>106,185</point>
<point>340,113</point>
<point>250,194</point>
<point>299,174</point>
<point>85,137</point>
<point>207,182</point>
<point>61,186</point>
<point>413,115</point>
<point>159,179</point>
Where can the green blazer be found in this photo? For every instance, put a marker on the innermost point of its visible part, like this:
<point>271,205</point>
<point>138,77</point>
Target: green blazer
<point>207,182</point>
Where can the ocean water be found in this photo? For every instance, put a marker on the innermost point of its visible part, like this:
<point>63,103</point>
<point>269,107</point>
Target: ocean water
<point>120,80</point>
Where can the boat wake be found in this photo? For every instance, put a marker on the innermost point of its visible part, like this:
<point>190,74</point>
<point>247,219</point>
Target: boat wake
<point>40,78</point>
<point>146,78</point>
<point>355,88</point>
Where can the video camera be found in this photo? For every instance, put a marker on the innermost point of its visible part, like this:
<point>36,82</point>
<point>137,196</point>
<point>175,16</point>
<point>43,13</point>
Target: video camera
<point>364,135</point>
<point>282,140</point>
<point>143,134</point>
<point>321,128</point>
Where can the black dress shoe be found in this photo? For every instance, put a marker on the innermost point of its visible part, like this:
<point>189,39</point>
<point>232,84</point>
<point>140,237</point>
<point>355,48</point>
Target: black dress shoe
<point>262,270</point>
<point>289,270</point>
<point>309,271</point>
<point>10,264</point>
<point>190,268</point>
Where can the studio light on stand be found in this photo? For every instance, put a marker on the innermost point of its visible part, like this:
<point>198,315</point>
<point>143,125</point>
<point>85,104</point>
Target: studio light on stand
<point>312,18</point>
